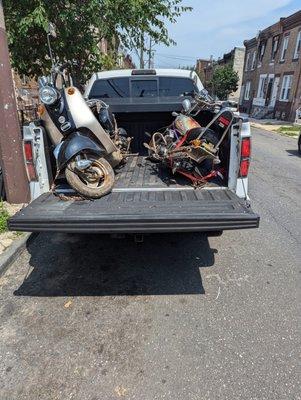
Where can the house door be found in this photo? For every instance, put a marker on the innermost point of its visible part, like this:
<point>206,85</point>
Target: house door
<point>274,92</point>
<point>269,90</point>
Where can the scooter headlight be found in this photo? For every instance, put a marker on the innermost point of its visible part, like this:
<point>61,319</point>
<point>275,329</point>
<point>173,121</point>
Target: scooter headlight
<point>48,95</point>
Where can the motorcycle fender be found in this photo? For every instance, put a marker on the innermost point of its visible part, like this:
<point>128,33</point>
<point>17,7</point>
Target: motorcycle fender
<point>74,145</point>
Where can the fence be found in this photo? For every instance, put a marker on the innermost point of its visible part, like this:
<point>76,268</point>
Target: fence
<point>28,113</point>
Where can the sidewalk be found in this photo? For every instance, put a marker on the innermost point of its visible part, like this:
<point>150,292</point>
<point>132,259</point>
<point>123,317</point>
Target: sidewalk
<point>7,237</point>
<point>273,125</point>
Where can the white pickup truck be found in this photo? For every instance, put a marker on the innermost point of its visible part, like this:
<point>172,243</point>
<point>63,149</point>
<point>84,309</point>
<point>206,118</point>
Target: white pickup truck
<point>144,199</point>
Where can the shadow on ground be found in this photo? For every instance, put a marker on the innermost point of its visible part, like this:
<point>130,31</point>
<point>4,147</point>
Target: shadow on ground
<point>97,265</point>
<point>293,153</point>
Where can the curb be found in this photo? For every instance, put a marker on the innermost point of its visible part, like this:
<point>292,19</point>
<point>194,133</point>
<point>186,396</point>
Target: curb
<point>13,252</point>
<point>273,131</point>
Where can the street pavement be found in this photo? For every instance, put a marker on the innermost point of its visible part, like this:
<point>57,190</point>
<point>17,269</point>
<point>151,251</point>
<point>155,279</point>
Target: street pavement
<point>176,317</point>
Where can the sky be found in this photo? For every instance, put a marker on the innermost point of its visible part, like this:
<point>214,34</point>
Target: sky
<point>214,27</point>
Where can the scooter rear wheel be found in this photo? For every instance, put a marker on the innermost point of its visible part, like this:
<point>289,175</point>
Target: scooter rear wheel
<point>95,181</point>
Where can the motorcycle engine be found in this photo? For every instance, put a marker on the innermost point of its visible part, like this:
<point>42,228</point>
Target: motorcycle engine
<point>122,139</point>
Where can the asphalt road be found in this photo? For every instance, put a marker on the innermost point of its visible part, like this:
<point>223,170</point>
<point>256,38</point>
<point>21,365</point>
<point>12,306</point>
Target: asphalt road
<point>177,317</point>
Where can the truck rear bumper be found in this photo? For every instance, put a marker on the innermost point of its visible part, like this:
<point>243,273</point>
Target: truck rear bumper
<point>138,211</point>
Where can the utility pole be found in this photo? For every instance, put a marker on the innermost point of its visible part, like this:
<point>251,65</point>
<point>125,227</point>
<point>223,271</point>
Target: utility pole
<point>150,54</point>
<point>11,153</point>
<point>142,51</point>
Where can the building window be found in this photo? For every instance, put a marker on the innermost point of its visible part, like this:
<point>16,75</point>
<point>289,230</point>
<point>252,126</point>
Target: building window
<point>247,62</point>
<point>286,87</point>
<point>261,51</point>
<point>241,94</point>
<point>253,60</point>
<point>262,87</point>
<point>284,47</point>
<point>298,46</point>
<point>247,90</point>
<point>274,47</point>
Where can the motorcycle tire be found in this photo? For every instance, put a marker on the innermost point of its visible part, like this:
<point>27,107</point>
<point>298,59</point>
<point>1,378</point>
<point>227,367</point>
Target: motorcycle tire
<point>79,180</point>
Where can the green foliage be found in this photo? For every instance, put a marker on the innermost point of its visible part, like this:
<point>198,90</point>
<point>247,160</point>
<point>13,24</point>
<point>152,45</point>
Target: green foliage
<point>289,130</point>
<point>4,215</point>
<point>224,81</point>
<point>80,25</point>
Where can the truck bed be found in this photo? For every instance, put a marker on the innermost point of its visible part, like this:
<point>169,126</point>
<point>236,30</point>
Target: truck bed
<point>141,173</point>
<point>145,198</point>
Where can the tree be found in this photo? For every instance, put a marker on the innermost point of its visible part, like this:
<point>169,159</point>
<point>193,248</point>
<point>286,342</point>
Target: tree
<point>81,24</point>
<point>224,81</point>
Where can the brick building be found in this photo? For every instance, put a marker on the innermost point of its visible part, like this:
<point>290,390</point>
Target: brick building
<point>272,71</point>
<point>124,60</point>
<point>235,58</point>
<point>203,66</point>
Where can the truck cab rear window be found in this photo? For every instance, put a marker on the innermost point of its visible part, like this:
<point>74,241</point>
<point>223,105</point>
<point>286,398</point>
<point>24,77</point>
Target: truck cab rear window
<point>126,87</point>
<point>110,88</point>
<point>175,87</point>
<point>145,88</point>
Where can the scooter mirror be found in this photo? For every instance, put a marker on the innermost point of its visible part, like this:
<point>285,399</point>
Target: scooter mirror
<point>186,104</point>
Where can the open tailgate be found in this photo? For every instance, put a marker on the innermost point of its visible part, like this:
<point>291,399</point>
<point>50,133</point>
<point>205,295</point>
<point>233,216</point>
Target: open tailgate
<point>138,210</point>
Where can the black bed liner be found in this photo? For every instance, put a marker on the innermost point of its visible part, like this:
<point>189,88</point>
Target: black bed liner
<point>145,199</point>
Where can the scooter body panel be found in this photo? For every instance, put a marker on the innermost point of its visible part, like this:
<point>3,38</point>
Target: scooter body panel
<point>84,118</point>
<point>74,144</point>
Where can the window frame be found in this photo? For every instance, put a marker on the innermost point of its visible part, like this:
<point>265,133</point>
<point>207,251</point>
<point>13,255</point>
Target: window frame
<point>247,91</point>
<point>286,87</point>
<point>261,85</point>
<point>297,51</point>
<point>247,61</point>
<point>284,48</point>
<point>262,48</point>
<point>253,64</point>
<point>275,46</point>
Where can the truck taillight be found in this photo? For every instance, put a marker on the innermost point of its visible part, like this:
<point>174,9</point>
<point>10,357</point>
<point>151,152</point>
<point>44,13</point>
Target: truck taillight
<point>245,157</point>
<point>28,156</point>
<point>246,147</point>
<point>244,168</point>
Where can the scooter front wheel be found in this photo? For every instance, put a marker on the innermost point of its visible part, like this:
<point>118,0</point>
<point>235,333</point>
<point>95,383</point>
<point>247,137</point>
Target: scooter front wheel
<point>95,181</point>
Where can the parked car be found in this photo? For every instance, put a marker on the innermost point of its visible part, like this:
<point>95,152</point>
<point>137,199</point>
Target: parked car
<point>230,104</point>
<point>145,198</point>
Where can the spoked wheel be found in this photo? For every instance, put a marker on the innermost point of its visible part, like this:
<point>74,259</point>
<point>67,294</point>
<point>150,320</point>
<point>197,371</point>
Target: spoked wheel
<point>94,181</point>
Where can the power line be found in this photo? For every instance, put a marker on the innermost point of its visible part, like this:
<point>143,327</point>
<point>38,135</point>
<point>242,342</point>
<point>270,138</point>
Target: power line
<point>176,56</point>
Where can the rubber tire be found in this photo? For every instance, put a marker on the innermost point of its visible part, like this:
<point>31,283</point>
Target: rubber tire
<point>94,193</point>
